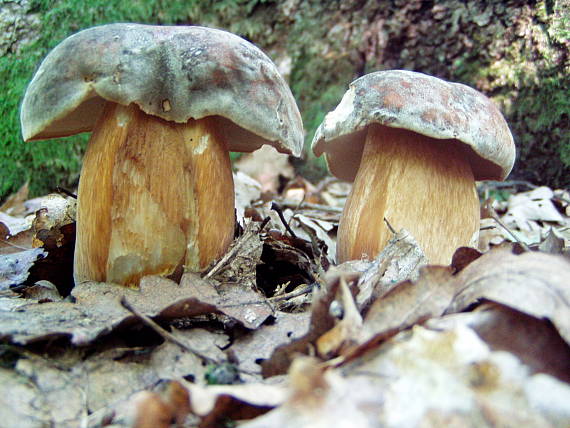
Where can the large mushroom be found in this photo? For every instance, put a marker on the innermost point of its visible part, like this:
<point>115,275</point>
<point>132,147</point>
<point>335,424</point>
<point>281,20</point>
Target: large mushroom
<point>165,105</point>
<point>414,145</point>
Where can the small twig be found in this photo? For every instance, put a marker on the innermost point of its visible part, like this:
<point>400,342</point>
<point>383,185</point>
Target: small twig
<point>233,251</point>
<point>277,208</point>
<point>389,226</point>
<point>14,245</point>
<point>165,334</point>
<point>495,217</point>
<point>65,192</point>
<point>310,206</point>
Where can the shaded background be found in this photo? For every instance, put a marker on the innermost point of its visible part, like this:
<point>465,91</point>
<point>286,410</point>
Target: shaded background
<point>516,52</point>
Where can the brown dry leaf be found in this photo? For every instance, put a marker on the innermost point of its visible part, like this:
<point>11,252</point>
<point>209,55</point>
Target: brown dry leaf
<point>240,303</point>
<point>347,330</point>
<point>255,346</point>
<point>321,321</point>
<point>211,406</point>
<point>22,241</point>
<point>14,204</point>
<point>422,378</point>
<point>265,166</point>
<point>409,303</point>
<point>97,311</point>
<point>534,341</point>
<point>533,283</point>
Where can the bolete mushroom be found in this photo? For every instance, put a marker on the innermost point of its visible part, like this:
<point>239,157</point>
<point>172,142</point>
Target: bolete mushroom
<point>414,145</point>
<point>165,105</point>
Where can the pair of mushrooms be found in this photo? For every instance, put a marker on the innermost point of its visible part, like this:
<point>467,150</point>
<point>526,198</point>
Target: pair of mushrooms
<point>165,105</point>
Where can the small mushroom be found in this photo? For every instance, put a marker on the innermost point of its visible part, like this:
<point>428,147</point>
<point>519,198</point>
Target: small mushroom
<point>165,106</point>
<point>414,145</point>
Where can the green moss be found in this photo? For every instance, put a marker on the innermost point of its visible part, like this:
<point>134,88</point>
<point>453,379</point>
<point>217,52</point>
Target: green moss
<point>47,164</point>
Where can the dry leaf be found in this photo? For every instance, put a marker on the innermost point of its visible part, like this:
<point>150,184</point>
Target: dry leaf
<point>15,267</point>
<point>246,191</point>
<point>348,328</point>
<point>14,204</point>
<point>409,303</point>
<point>265,166</point>
<point>236,301</point>
<point>534,341</point>
<point>257,345</point>
<point>533,283</point>
<point>422,378</point>
<point>399,261</point>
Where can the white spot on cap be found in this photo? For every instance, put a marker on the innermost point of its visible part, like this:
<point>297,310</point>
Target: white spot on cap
<point>341,112</point>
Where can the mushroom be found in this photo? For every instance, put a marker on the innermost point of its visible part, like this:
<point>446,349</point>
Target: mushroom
<point>414,145</point>
<point>165,105</point>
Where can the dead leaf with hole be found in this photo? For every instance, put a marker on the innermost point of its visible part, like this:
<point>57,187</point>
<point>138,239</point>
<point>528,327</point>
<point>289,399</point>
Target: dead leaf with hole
<point>234,300</point>
<point>251,348</point>
<point>534,283</point>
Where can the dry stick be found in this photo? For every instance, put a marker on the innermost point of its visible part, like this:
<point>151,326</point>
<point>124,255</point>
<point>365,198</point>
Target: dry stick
<point>65,192</point>
<point>14,245</point>
<point>310,206</point>
<point>389,226</point>
<point>495,217</point>
<point>275,207</point>
<point>165,334</point>
<point>299,291</point>
<point>233,251</point>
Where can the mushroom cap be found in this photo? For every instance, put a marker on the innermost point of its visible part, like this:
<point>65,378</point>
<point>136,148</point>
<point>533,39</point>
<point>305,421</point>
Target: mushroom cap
<point>422,104</point>
<point>172,72</point>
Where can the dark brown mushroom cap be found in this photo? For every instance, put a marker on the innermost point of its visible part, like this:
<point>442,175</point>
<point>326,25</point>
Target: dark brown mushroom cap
<point>173,72</point>
<point>419,103</point>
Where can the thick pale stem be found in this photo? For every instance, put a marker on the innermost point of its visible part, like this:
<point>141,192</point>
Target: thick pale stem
<point>418,183</point>
<point>153,195</point>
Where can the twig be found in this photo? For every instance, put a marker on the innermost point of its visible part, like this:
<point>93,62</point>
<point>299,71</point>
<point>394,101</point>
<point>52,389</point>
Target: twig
<point>66,192</point>
<point>14,245</point>
<point>310,206</point>
<point>233,251</point>
<point>165,334</point>
<point>277,208</point>
<point>299,291</point>
<point>495,217</point>
<point>389,226</point>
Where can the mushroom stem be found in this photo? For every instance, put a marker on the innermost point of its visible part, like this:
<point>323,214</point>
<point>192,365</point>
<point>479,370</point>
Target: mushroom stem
<point>153,195</point>
<point>418,183</point>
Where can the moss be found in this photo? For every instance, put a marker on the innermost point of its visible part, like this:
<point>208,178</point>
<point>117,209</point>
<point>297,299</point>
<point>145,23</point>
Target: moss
<point>47,164</point>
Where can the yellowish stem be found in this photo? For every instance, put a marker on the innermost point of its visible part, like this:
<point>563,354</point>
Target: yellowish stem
<point>153,195</point>
<point>421,184</point>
